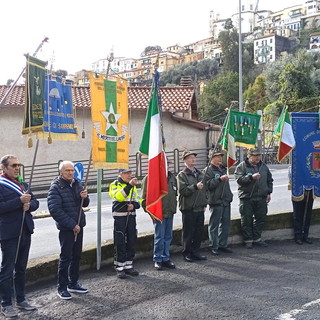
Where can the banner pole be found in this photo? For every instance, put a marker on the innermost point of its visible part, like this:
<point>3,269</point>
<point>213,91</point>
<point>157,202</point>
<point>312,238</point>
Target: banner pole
<point>3,100</point>
<point>84,187</point>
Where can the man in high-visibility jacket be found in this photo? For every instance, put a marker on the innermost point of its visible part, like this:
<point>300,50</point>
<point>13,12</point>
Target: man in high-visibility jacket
<point>126,200</point>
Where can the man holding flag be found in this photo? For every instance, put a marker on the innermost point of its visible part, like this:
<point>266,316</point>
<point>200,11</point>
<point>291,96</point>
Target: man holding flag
<point>16,227</point>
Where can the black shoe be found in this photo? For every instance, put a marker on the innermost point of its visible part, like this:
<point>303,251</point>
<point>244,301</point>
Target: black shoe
<point>121,274</point>
<point>168,264</point>
<point>198,257</point>
<point>131,272</point>
<point>214,252</point>
<point>188,258</point>
<point>261,244</point>
<point>249,245</point>
<point>158,265</point>
<point>298,241</point>
<point>226,250</point>
<point>307,240</point>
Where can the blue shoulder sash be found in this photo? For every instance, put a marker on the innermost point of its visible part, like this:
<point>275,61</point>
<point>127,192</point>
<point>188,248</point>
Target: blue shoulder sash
<point>9,184</point>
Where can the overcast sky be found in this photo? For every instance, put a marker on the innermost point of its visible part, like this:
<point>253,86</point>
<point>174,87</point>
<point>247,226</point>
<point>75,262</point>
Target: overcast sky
<point>81,31</point>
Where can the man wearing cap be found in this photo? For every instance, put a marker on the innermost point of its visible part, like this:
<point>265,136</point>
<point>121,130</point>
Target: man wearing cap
<point>255,186</point>
<point>219,199</point>
<point>192,203</point>
<point>126,200</point>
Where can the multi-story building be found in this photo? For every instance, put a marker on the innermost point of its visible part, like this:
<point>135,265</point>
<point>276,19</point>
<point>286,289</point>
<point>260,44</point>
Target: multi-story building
<point>271,47</point>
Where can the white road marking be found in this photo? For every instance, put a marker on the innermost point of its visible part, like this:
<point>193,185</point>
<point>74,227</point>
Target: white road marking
<point>290,315</point>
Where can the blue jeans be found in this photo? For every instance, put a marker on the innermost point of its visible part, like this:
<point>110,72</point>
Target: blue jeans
<point>8,266</point>
<point>69,262</point>
<point>162,239</point>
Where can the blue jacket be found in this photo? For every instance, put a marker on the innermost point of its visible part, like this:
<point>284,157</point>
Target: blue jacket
<point>11,213</point>
<point>64,203</point>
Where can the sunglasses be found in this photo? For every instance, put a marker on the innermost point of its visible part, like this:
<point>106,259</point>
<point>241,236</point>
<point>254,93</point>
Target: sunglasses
<point>16,165</point>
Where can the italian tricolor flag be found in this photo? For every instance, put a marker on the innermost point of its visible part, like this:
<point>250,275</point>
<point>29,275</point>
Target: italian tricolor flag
<point>151,145</point>
<point>284,131</point>
<point>228,144</point>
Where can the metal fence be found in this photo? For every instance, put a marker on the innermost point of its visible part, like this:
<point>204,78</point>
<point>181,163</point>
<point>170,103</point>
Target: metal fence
<point>43,174</point>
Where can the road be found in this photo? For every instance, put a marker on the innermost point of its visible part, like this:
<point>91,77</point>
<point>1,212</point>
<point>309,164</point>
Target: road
<point>46,232</point>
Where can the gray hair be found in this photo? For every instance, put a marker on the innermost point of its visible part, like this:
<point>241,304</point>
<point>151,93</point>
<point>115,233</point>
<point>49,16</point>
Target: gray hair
<point>5,160</point>
<point>63,163</point>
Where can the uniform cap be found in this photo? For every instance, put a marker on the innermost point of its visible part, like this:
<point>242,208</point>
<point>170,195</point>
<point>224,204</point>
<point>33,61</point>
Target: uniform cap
<point>124,170</point>
<point>254,152</point>
<point>187,153</point>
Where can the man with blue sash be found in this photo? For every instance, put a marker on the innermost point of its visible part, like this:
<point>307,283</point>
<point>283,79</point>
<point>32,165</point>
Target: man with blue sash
<point>16,227</point>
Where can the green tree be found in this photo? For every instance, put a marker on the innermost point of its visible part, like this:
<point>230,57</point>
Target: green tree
<point>294,80</point>
<point>228,40</point>
<point>61,73</point>
<point>256,95</point>
<point>9,81</point>
<point>205,69</point>
<point>217,96</point>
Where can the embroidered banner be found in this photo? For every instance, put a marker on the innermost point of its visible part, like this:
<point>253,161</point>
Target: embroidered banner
<point>243,127</point>
<point>306,155</point>
<point>34,95</point>
<point>109,112</point>
<point>59,117</point>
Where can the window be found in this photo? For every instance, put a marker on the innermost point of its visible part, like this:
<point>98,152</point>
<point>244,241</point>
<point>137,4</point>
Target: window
<point>251,7</point>
<point>242,8</point>
<point>271,40</point>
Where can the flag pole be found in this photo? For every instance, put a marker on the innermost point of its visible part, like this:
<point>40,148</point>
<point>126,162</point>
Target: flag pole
<point>3,100</point>
<point>99,185</point>
<point>84,188</point>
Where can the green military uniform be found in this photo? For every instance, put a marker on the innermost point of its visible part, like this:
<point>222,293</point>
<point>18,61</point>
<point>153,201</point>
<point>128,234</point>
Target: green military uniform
<point>253,198</point>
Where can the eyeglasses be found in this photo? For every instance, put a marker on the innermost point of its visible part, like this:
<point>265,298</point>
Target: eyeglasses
<point>16,165</point>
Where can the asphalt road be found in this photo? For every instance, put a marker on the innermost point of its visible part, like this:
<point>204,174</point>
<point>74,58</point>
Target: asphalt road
<point>280,282</point>
<point>46,232</point>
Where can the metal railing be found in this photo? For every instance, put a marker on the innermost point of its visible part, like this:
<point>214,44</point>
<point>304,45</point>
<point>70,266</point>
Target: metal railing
<point>44,173</point>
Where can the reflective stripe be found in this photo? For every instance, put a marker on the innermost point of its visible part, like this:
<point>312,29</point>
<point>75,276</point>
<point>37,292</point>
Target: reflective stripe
<point>119,264</point>
<point>123,214</point>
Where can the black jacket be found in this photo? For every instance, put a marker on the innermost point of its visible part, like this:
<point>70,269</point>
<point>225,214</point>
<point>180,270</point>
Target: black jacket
<point>11,210</point>
<point>64,203</point>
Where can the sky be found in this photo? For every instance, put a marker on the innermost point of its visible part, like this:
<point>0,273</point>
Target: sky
<point>81,32</point>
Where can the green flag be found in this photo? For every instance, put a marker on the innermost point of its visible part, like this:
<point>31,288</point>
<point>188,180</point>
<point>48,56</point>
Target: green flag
<point>34,95</point>
<point>278,129</point>
<point>243,126</point>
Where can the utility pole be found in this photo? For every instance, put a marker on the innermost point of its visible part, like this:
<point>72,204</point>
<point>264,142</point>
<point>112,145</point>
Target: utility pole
<point>240,73</point>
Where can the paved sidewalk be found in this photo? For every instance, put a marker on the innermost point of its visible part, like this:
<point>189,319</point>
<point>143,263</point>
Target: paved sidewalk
<point>277,282</point>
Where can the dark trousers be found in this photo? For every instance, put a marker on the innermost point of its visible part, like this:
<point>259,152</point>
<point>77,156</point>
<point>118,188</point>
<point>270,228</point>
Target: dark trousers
<point>69,262</point>
<point>8,266</point>
<point>192,231</point>
<point>124,237</point>
<point>302,212</point>
<point>253,217</point>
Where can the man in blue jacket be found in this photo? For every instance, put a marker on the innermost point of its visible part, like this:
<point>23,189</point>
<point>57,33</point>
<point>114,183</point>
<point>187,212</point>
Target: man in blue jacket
<point>16,227</point>
<point>65,197</point>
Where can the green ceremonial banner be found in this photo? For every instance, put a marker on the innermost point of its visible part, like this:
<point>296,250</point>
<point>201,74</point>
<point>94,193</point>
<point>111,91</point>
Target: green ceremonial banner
<point>34,95</point>
<point>244,127</point>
